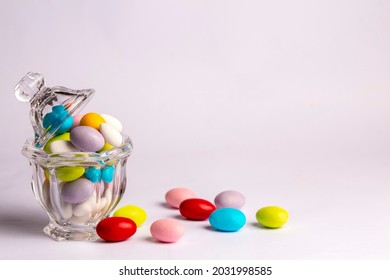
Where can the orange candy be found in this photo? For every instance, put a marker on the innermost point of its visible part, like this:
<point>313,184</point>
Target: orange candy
<point>92,119</point>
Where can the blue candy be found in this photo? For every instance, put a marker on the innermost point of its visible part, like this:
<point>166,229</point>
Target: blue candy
<point>108,174</point>
<point>227,219</point>
<point>59,117</point>
<point>93,174</point>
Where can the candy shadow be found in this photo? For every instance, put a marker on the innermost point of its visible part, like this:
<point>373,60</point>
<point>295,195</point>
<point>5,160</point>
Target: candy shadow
<point>257,225</point>
<point>167,206</point>
<point>153,240</point>
<point>181,218</point>
<point>210,228</point>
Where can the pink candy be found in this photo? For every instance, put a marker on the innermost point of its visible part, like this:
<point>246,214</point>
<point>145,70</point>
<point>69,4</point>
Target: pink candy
<point>167,230</point>
<point>176,196</point>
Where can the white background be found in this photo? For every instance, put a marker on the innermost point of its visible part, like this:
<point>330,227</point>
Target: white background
<point>285,101</point>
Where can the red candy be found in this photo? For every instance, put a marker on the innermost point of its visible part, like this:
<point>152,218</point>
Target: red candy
<point>196,209</point>
<point>116,229</point>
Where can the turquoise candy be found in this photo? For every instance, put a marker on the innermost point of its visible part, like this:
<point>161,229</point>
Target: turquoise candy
<point>58,117</point>
<point>93,174</point>
<point>108,174</point>
<point>227,219</point>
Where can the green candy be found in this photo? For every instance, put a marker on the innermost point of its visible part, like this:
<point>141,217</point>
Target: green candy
<point>272,216</point>
<point>63,136</point>
<point>69,173</point>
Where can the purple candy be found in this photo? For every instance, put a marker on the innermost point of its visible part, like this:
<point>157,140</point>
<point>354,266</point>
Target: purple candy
<point>77,191</point>
<point>229,199</point>
<point>87,138</point>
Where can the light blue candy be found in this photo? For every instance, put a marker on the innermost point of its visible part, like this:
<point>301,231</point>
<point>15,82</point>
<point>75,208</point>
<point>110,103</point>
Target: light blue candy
<point>93,174</point>
<point>108,174</point>
<point>227,219</point>
<point>58,117</point>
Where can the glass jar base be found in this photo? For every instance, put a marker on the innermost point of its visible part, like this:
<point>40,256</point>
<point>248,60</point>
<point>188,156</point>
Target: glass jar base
<point>59,233</point>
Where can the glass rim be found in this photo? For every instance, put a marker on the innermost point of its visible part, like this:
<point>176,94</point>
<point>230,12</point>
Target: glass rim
<point>38,155</point>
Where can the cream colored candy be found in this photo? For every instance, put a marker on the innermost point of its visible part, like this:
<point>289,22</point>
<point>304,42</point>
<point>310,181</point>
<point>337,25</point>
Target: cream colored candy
<point>63,146</point>
<point>81,219</point>
<point>88,206</point>
<point>114,122</point>
<point>111,135</point>
<point>67,210</point>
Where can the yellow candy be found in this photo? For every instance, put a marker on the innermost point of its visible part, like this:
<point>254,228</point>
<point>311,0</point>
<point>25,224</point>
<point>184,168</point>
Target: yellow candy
<point>105,147</point>
<point>132,212</point>
<point>69,173</point>
<point>92,119</point>
<point>272,216</point>
<point>63,136</point>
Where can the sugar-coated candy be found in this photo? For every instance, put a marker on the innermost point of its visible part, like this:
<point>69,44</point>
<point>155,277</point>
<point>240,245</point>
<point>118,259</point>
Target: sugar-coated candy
<point>133,212</point>
<point>63,136</point>
<point>93,174</point>
<point>58,118</point>
<point>84,208</point>
<point>112,121</point>
<point>80,219</point>
<point>196,209</point>
<point>111,135</point>
<point>116,229</point>
<point>229,199</point>
<point>227,219</point>
<point>108,174</point>
<point>91,206</point>
<point>63,146</point>
<point>86,138</point>
<point>69,173</point>
<point>77,191</point>
<point>76,120</point>
<point>272,216</point>
<point>106,147</point>
<point>176,196</point>
<point>92,120</point>
<point>167,230</point>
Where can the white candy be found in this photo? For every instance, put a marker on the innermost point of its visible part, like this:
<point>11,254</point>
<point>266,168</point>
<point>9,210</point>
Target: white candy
<point>111,135</point>
<point>80,220</point>
<point>99,206</point>
<point>62,146</point>
<point>112,121</point>
<point>83,208</point>
<point>67,210</point>
<point>108,198</point>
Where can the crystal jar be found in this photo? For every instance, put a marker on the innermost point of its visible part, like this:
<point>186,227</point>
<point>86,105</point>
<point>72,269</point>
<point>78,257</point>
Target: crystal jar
<point>74,202</point>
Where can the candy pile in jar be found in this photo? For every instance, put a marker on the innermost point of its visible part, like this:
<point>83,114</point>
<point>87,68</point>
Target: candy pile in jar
<point>80,199</point>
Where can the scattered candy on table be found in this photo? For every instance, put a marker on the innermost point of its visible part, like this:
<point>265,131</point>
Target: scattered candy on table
<point>176,196</point>
<point>231,198</point>
<point>167,230</point>
<point>227,219</point>
<point>116,229</point>
<point>272,216</point>
<point>196,209</point>
<point>133,212</point>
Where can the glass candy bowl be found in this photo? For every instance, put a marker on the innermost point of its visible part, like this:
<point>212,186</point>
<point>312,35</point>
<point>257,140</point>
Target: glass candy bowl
<point>76,189</point>
<point>76,206</point>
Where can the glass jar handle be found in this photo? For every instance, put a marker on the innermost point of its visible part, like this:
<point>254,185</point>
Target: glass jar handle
<point>29,86</point>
